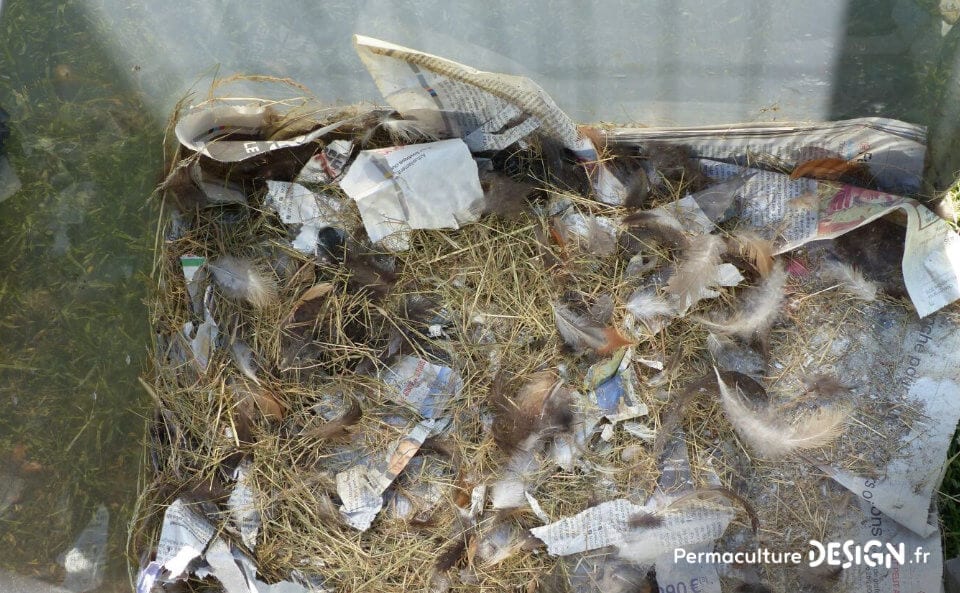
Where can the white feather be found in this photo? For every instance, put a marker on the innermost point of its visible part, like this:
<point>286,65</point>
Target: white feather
<point>850,279</point>
<point>697,272</point>
<point>241,279</point>
<point>759,309</point>
<point>773,439</point>
<point>407,131</point>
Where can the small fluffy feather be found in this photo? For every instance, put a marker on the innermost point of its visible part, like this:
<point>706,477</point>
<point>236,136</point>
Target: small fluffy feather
<point>758,310</point>
<point>773,439</point>
<point>850,279</point>
<point>338,427</point>
<point>541,408</point>
<point>697,271</point>
<point>828,386</point>
<point>245,359</point>
<point>756,249</point>
<point>503,196</point>
<point>646,304</point>
<point>659,226</point>
<point>242,279</point>
<point>581,333</point>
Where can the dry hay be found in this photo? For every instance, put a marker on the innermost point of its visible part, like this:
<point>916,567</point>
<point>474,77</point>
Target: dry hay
<point>490,288</point>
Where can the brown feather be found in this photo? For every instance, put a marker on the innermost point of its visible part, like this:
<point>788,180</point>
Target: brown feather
<point>756,249</point>
<point>657,226</point>
<point>830,169</point>
<point>644,521</point>
<point>337,428</point>
<point>540,407</point>
<point>581,333</point>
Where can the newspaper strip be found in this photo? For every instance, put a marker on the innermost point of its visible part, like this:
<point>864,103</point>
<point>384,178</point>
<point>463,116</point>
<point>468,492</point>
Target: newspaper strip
<point>607,524</point>
<point>424,385</point>
<point>490,111</point>
<point>183,538</point>
<point>773,201</point>
<point>202,128</point>
<point>676,479</point>
<point>893,150</point>
<point>242,506</point>
<point>397,189</point>
<point>922,570</point>
<point>361,487</point>
<point>297,205</point>
<point>86,560</point>
<point>925,380</point>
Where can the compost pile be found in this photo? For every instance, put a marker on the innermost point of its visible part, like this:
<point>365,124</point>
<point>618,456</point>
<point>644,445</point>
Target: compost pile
<point>550,393</point>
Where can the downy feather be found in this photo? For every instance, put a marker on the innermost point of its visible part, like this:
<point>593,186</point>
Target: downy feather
<point>245,359</point>
<point>659,226</point>
<point>850,279</point>
<point>756,249</point>
<point>407,131</point>
<point>697,272</point>
<point>758,310</point>
<point>242,279</point>
<point>581,333</point>
<point>773,439</point>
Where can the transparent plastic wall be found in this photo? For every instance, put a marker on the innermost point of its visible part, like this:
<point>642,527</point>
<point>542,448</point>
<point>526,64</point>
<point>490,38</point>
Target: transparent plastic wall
<point>90,84</point>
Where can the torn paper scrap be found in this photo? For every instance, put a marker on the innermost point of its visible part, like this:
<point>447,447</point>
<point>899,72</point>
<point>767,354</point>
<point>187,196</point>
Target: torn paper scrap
<point>242,505</point>
<point>327,165</point>
<point>361,487</point>
<point>424,385</point>
<point>922,568</point>
<point>489,111</point>
<point>191,264</point>
<point>893,150</point>
<point>607,524</point>
<point>86,560</point>
<point>423,186</point>
<point>925,380</point>
<point>297,205</point>
<point>183,537</point>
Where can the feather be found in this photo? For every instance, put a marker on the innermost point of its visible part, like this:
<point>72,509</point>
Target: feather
<point>242,279</point>
<point>451,554</point>
<point>658,226</point>
<point>407,131</point>
<point>758,310</point>
<point>826,385</point>
<point>644,520</point>
<point>580,333</point>
<point>309,304</point>
<point>337,428</point>
<point>721,492</point>
<point>756,249</point>
<point>831,169</point>
<point>541,408</point>
<point>638,189</point>
<point>850,279</point>
<point>716,200</point>
<point>245,359</point>
<point>773,439</point>
<point>646,305</point>
<point>503,196</point>
<point>697,272</point>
